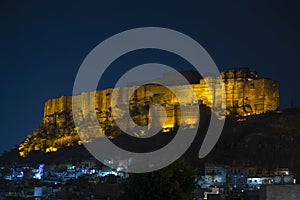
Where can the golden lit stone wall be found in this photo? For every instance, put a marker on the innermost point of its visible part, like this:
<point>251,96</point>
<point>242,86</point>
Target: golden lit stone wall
<point>245,95</point>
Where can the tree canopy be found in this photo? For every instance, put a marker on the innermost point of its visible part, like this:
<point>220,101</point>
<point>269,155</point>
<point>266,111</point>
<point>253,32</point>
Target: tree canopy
<point>174,182</point>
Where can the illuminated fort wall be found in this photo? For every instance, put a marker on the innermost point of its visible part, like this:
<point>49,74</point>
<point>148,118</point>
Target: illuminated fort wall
<point>245,95</point>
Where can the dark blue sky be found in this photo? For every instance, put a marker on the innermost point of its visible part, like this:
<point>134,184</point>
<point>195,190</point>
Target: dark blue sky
<point>42,45</point>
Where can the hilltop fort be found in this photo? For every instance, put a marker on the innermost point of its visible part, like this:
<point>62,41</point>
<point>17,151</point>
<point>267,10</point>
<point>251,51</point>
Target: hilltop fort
<point>246,95</point>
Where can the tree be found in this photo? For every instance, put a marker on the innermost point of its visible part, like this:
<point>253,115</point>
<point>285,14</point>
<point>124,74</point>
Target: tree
<point>175,182</point>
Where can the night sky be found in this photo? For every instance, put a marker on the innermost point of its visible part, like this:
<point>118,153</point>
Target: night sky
<point>42,45</point>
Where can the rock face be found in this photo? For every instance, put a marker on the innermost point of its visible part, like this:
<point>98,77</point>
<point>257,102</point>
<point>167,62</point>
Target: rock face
<point>245,95</point>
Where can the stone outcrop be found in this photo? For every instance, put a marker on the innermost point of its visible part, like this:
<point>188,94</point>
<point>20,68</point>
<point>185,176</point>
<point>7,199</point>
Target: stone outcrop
<point>245,95</point>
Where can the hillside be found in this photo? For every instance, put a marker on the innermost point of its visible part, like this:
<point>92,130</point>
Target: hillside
<point>268,140</point>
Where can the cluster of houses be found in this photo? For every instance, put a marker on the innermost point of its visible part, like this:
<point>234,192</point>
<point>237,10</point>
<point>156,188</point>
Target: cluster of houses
<point>218,180</point>
<point>48,181</point>
<point>53,181</point>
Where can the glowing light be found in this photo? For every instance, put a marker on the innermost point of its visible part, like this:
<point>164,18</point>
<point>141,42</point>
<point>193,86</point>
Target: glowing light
<point>39,172</point>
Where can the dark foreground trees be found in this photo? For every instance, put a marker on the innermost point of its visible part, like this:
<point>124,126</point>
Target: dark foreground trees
<point>175,182</point>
